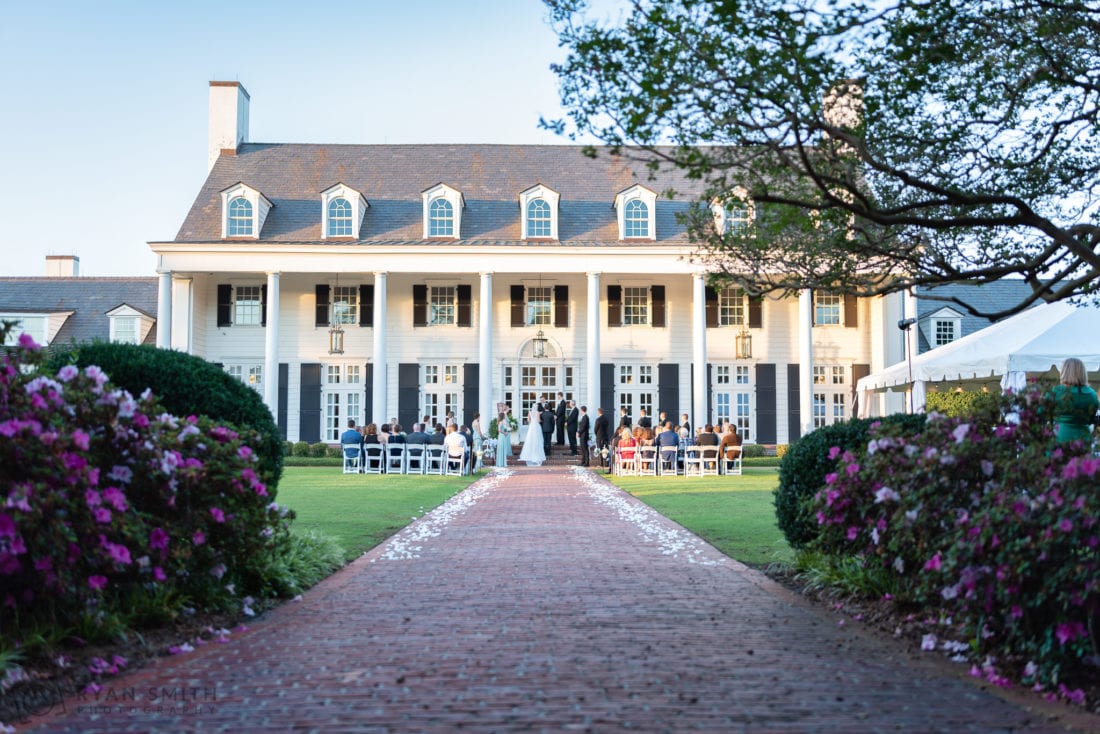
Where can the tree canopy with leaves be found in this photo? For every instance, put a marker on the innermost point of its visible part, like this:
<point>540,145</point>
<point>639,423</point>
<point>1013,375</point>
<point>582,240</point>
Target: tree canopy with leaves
<point>879,145</point>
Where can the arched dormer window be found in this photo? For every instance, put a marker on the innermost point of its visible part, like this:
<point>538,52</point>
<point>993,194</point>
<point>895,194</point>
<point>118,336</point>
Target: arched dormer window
<point>441,218</point>
<point>538,207</point>
<point>244,210</point>
<point>240,218</point>
<point>443,207</point>
<point>342,211</point>
<point>734,213</point>
<point>637,208</point>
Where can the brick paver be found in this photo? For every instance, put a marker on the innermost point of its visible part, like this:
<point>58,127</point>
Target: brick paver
<point>543,602</point>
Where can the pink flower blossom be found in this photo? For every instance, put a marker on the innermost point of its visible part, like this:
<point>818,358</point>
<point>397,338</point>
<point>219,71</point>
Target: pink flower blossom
<point>158,539</point>
<point>198,538</point>
<point>158,573</point>
<point>116,498</point>
<point>934,563</point>
<point>217,514</point>
<point>1069,631</point>
<point>7,526</point>
<point>102,515</point>
<point>853,532</point>
<point>834,452</point>
<point>928,642</point>
<point>1066,525</point>
<point>97,582</point>
<point>81,439</point>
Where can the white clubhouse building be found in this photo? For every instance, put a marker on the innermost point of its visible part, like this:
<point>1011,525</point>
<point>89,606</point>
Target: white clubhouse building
<point>379,281</point>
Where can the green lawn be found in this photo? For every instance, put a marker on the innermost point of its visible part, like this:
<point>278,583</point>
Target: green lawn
<point>361,510</point>
<point>735,514</point>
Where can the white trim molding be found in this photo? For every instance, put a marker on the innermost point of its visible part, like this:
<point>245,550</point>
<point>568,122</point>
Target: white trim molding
<point>551,198</point>
<point>454,198</point>
<point>359,206</point>
<point>261,205</point>
<point>623,201</point>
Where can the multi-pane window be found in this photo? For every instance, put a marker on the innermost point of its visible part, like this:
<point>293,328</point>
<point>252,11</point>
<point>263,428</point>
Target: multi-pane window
<point>126,329</point>
<point>722,375</point>
<point>636,387</point>
<point>838,407</point>
<point>738,218</point>
<point>353,374</point>
<point>33,326</point>
<point>827,309</point>
<point>339,218</point>
<point>733,397</point>
<point>741,374</point>
<point>626,374</point>
<point>635,305</point>
<point>722,402</point>
<point>343,399</point>
<point>441,218</point>
<point>819,409</point>
<point>508,379</point>
<point>334,374</point>
<point>538,218</point>
<point>239,221</point>
<point>944,332</point>
<point>829,374</point>
<point>830,397</point>
<point>741,415</point>
<point>636,219</point>
<point>441,304</point>
<point>345,304</point>
<point>441,391</point>
<point>731,306</point>
<point>645,374</point>
<point>247,305</point>
<point>538,305</point>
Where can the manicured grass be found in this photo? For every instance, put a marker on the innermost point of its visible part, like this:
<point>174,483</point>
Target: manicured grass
<point>735,514</point>
<point>359,511</point>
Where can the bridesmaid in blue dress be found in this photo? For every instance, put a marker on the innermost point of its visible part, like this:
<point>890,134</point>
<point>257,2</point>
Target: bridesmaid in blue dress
<point>505,427</point>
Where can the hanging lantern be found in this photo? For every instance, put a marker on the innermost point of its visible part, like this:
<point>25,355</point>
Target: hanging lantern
<point>742,344</point>
<point>335,340</point>
<point>538,345</point>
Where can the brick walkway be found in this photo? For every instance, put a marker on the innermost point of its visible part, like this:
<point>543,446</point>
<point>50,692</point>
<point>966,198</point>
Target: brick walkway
<point>541,602</point>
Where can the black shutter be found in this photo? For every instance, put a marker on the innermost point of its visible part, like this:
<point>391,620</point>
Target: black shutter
<point>607,393</point>
<point>765,403</point>
<point>859,371</point>
<point>614,305</point>
<point>851,311</point>
<point>309,404</point>
<point>756,312</point>
<point>470,392</point>
<point>408,392</point>
<point>710,391</point>
<point>794,404</point>
<point>518,306</point>
<point>283,409</point>
<point>657,296</point>
<point>668,390</point>
<point>366,305</point>
<point>710,298</point>
<point>321,317</point>
<point>225,304</point>
<point>561,306</point>
<point>263,305</point>
<point>420,305</point>
<point>368,394</point>
<point>463,317</point>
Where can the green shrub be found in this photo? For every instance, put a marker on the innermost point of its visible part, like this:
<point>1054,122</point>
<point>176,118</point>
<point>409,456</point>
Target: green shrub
<point>318,450</point>
<point>805,464</point>
<point>333,452</point>
<point>493,433</point>
<point>303,561</point>
<point>782,449</point>
<point>960,404</point>
<point>185,385</point>
<point>301,448</point>
<point>753,451</point>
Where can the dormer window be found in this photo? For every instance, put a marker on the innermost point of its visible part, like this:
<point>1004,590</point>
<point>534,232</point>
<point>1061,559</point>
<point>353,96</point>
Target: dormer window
<point>244,210</point>
<point>734,214</point>
<point>637,207</point>
<point>539,209</point>
<point>343,209</point>
<point>443,207</point>
<point>941,327</point>
<point>129,325</point>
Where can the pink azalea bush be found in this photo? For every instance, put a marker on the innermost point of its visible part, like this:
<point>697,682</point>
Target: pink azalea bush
<point>104,496</point>
<point>989,521</point>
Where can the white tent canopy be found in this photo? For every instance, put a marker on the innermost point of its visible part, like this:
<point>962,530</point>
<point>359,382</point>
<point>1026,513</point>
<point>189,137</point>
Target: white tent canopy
<point>1034,341</point>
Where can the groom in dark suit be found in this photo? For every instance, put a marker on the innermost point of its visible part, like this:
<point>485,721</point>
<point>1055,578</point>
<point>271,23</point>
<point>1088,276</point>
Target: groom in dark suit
<point>559,414</point>
<point>546,419</point>
<point>582,435</point>
<point>571,419</point>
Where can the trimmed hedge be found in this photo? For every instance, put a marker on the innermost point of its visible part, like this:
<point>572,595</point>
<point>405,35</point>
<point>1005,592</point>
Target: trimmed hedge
<point>805,464</point>
<point>185,385</point>
<point>960,404</point>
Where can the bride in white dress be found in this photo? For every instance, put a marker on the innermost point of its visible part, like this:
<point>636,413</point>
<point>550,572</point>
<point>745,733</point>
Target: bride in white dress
<point>533,452</point>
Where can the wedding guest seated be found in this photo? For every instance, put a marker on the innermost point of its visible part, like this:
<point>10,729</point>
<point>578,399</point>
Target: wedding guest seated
<point>686,439</point>
<point>455,444</point>
<point>627,444</point>
<point>436,439</point>
<point>731,444</point>
<point>668,441</point>
<point>350,439</point>
<point>384,434</point>
<point>708,437</point>
<point>417,435</point>
<point>370,434</point>
<point>396,435</point>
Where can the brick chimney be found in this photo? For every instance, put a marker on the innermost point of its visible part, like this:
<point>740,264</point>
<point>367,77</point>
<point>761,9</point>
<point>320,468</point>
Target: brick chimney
<point>228,119</point>
<point>62,266</point>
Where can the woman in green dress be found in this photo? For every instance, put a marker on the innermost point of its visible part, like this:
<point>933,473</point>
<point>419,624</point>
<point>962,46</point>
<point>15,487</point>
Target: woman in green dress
<point>505,427</point>
<point>1075,403</point>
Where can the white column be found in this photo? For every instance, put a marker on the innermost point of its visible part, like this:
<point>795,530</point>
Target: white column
<point>699,351</point>
<point>485,398</point>
<point>164,311</point>
<point>378,390</point>
<point>592,349</point>
<point>806,360</point>
<point>271,346</point>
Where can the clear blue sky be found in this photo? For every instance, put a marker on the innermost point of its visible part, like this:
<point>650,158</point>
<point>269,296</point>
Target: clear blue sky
<point>103,109</point>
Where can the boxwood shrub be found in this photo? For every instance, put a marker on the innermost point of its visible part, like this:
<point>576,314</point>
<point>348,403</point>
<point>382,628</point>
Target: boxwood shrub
<point>805,464</point>
<point>184,385</point>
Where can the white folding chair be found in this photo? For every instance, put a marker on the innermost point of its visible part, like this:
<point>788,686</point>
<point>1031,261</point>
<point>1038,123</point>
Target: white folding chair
<point>626,465</point>
<point>732,467</point>
<point>668,463</point>
<point>710,461</point>
<point>353,457</point>
<point>395,458</point>
<point>373,459</point>
<point>647,461</point>
<point>434,463</point>
<point>414,458</point>
<point>693,461</point>
<point>455,464</point>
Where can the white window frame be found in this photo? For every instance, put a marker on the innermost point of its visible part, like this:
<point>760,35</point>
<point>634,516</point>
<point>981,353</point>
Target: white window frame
<point>250,373</point>
<point>344,311</point>
<point>432,315</point>
<point>937,325</point>
<point>548,195</point>
<point>831,397</point>
<point>39,330</point>
<point>442,390</point>
<point>261,205</point>
<point>454,198</point>
<point>636,388</point>
<point>733,306</point>
<point>725,222</point>
<point>645,196</point>
<point>825,303</point>
<point>647,315</point>
<point>733,397</point>
<point>539,318</point>
<point>259,315</point>
<point>359,206</point>
<point>342,398</point>
<point>143,323</point>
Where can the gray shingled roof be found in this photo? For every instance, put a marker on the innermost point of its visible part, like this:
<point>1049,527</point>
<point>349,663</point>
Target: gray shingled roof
<point>89,298</point>
<point>989,298</point>
<point>392,177</point>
